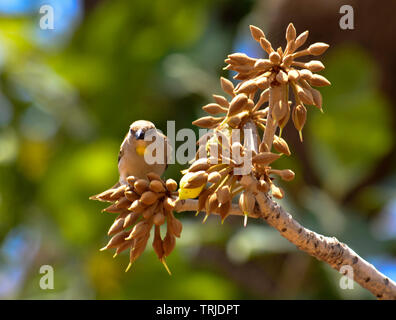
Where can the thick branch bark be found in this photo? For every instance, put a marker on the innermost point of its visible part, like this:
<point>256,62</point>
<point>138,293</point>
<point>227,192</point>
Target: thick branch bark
<point>327,249</point>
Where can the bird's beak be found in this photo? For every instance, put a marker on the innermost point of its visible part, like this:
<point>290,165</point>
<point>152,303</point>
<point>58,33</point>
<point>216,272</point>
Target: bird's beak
<point>139,134</point>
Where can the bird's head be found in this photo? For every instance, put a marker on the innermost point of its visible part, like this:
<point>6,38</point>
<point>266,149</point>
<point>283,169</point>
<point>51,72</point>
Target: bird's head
<point>137,132</point>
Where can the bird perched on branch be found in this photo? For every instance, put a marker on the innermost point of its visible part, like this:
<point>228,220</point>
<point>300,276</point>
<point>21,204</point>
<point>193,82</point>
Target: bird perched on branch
<point>144,150</point>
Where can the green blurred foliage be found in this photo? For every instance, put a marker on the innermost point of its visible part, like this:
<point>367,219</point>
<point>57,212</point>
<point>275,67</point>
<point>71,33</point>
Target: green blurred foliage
<point>356,121</point>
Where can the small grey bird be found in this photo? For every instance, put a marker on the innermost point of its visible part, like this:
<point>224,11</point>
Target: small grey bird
<point>131,158</point>
<point>134,151</point>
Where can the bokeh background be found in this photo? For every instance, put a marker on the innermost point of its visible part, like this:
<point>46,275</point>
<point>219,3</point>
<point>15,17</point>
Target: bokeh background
<point>68,95</point>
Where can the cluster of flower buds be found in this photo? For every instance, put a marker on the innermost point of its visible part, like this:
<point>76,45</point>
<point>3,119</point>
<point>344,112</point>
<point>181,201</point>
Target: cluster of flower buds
<point>140,205</point>
<point>213,177</point>
<point>279,71</point>
<point>235,113</point>
<point>217,177</point>
<point>264,183</point>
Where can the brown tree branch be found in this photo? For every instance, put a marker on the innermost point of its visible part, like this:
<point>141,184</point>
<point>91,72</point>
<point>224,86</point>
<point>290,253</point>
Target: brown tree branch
<point>327,249</point>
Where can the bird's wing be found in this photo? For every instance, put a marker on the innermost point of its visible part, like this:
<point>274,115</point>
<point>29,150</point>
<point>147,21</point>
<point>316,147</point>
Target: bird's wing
<point>120,154</point>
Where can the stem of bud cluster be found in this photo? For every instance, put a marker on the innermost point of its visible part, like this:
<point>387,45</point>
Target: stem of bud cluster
<point>275,93</point>
<point>252,140</point>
